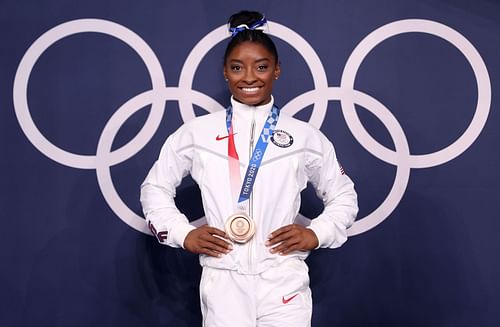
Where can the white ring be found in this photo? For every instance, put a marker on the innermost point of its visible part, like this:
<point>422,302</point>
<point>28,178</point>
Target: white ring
<point>43,43</point>
<point>472,56</point>
<point>106,158</point>
<point>400,142</point>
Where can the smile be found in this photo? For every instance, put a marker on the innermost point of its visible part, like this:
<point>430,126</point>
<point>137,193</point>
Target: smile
<point>250,89</point>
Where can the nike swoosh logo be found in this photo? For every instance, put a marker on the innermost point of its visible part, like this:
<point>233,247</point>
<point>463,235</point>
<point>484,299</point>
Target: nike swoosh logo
<point>285,301</point>
<point>219,138</point>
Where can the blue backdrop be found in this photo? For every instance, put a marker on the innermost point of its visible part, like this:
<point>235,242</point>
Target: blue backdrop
<point>406,90</point>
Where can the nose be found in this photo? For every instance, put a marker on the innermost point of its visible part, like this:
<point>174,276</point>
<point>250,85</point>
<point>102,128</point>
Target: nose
<point>249,77</point>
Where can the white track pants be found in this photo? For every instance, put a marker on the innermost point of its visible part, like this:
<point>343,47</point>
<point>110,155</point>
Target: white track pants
<point>280,296</point>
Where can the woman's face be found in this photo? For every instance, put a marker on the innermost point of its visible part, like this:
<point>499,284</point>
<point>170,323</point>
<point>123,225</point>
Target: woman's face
<point>250,70</point>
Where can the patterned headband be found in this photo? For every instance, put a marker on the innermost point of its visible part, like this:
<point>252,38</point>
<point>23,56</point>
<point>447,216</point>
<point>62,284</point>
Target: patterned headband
<point>258,25</point>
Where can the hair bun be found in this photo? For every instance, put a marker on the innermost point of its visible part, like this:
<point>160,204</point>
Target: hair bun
<point>249,26</point>
<point>246,22</point>
<point>245,17</point>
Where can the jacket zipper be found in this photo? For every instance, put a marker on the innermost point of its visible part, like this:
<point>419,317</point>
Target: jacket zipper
<point>250,202</point>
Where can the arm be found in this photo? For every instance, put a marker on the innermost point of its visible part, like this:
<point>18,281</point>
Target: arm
<point>336,190</point>
<point>164,219</point>
<point>158,191</point>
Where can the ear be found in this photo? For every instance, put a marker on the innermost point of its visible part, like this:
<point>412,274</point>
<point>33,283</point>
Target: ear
<point>224,72</point>
<point>277,71</point>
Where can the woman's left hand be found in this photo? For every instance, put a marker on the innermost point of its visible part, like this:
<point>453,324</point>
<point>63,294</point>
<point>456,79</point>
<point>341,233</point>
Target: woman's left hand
<point>290,238</point>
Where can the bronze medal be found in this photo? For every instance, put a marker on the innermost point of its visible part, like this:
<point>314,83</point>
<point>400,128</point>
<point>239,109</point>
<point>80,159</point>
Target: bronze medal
<point>240,228</point>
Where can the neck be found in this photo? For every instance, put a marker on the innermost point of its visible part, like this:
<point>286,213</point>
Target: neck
<point>240,105</point>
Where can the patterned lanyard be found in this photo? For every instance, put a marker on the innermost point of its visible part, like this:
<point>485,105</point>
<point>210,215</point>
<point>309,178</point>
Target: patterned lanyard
<point>255,159</point>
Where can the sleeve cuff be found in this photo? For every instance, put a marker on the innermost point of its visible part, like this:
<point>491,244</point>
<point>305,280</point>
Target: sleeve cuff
<point>179,232</point>
<point>320,231</point>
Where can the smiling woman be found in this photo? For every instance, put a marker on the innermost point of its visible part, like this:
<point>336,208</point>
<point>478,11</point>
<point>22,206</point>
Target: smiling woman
<point>251,60</point>
<point>250,70</point>
<point>251,249</point>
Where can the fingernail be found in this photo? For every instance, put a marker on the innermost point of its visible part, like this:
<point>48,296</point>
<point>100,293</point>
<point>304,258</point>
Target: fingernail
<point>267,243</point>
<point>270,236</point>
<point>230,247</point>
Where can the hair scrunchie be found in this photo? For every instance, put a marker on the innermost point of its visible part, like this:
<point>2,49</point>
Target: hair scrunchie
<point>258,25</point>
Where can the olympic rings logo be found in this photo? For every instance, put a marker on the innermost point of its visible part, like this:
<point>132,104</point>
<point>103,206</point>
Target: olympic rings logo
<point>257,155</point>
<point>186,96</point>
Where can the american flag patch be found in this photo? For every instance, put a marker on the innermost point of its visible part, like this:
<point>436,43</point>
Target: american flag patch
<point>342,171</point>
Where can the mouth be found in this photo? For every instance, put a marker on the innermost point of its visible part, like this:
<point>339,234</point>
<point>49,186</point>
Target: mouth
<point>250,90</point>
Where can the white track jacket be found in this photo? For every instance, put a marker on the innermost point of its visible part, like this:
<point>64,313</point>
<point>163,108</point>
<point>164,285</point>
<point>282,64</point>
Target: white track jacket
<point>303,154</point>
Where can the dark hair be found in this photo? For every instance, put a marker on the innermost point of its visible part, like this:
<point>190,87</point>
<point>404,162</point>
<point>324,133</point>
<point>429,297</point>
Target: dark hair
<point>249,18</point>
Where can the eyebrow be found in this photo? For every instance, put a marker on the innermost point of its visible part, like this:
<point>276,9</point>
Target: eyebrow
<point>256,61</point>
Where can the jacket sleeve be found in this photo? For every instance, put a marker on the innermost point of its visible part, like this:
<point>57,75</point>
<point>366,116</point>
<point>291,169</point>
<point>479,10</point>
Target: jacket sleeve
<point>158,190</point>
<point>337,192</point>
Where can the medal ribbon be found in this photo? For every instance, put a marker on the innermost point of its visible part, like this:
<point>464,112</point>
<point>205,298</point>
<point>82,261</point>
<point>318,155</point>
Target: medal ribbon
<point>233,159</point>
<point>256,158</point>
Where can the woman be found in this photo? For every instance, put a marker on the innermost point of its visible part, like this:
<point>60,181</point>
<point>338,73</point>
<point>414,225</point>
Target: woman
<point>251,162</point>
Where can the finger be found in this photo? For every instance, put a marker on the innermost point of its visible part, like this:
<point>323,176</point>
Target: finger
<point>284,246</point>
<point>280,230</point>
<point>282,237</point>
<point>225,240</point>
<point>205,229</point>
<point>203,247</point>
<point>215,238</point>
<point>294,247</point>
<point>216,247</point>
<point>221,242</point>
<point>208,232</point>
<point>216,231</point>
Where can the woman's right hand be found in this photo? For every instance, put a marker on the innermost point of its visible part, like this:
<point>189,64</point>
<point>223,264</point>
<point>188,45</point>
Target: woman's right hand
<point>207,240</point>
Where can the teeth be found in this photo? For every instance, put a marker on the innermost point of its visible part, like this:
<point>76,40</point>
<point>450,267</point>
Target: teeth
<point>250,89</point>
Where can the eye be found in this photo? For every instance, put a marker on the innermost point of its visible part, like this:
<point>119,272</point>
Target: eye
<point>262,67</point>
<point>235,68</point>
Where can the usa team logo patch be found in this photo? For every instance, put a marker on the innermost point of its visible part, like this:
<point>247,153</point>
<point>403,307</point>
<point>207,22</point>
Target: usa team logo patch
<point>282,138</point>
